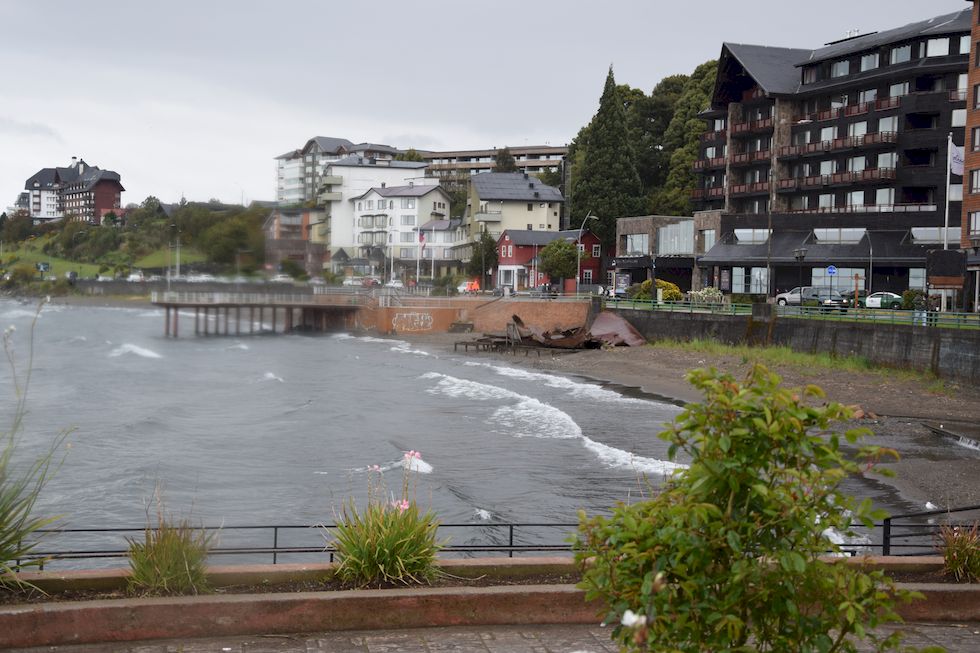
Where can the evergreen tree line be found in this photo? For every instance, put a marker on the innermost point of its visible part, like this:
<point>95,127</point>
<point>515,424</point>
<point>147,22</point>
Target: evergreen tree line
<point>636,155</point>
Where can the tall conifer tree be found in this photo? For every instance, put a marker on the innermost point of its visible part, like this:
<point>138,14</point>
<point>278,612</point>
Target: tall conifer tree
<point>608,184</point>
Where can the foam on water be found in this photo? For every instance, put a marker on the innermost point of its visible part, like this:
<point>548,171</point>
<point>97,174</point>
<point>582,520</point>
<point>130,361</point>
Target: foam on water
<point>405,348</point>
<point>577,389</point>
<point>529,417</point>
<point>411,464</point>
<point>18,313</point>
<point>238,345</point>
<point>128,348</point>
<point>485,515</point>
<point>269,376</point>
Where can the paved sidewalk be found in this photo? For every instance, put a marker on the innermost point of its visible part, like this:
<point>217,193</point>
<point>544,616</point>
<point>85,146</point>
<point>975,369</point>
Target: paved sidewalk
<point>955,638</point>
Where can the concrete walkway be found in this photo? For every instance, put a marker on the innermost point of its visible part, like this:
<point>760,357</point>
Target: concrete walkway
<point>954,637</point>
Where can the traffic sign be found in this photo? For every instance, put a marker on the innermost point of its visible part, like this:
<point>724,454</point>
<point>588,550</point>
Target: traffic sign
<point>831,270</point>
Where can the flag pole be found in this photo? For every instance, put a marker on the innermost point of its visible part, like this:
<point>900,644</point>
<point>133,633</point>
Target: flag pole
<point>949,169</point>
<point>432,236</point>
<point>418,259</point>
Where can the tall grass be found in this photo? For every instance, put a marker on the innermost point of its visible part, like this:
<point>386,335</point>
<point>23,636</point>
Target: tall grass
<point>171,558</point>
<point>960,546</point>
<point>391,541</point>
<point>21,481</point>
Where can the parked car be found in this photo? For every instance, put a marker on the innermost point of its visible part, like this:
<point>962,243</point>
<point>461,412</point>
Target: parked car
<point>824,298</point>
<point>883,299</point>
<point>281,278</point>
<point>791,297</point>
<point>394,283</point>
<point>855,301</point>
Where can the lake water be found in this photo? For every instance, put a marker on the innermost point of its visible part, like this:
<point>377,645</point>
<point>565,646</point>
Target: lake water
<point>282,429</point>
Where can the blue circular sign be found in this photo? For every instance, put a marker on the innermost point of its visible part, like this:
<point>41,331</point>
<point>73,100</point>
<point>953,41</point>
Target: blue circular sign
<point>831,270</point>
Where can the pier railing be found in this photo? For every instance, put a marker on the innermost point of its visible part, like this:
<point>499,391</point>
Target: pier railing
<point>907,534</point>
<point>275,299</point>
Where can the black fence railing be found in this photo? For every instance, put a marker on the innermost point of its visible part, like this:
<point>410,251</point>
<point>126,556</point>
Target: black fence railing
<point>907,534</point>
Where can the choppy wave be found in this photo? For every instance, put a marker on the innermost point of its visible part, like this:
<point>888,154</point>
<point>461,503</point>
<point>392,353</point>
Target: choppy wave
<point>405,348</point>
<point>485,515</point>
<point>128,348</point>
<point>19,313</point>
<point>412,464</point>
<point>238,345</point>
<point>576,389</point>
<point>269,376</point>
<point>529,417</point>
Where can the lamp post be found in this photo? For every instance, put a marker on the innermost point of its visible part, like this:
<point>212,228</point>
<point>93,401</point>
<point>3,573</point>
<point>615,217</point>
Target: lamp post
<point>799,254</point>
<point>579,247</point>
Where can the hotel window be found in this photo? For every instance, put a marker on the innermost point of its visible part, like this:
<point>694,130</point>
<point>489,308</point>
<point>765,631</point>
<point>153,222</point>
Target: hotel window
<point>855,164</point>
<point>840,68</point>
<point>962,82</point>
<point>965,44</point>
<point>974,181</point>
<point>887,160</point>
<point>503,251</point>
<point>510,250</point>
<point>810,75</point>
<point>937,47</point>
<point>955,192</point>
<point>974,218</point>
<point>828,133</point>
<point>959,118</point>
<point>901,54</point>
<point>976,95</point>
<point>870,95</point>
<point>885,196</point>
<point>828,167</point>
<point>898,89</point>
<point>975,139</point>
<point>708,238</point>
<point>407,237</point>
<point>826,201</point>
<point>889,124</point>
<point>869,62</point>
<point>857,129</point>
<point>855,198</point>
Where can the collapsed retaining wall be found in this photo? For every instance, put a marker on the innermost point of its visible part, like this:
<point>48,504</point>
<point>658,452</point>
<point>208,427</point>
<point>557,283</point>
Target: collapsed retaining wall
<point>948,353</point>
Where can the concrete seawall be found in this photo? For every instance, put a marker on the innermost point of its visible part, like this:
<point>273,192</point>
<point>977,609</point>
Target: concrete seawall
<point>952,354</point>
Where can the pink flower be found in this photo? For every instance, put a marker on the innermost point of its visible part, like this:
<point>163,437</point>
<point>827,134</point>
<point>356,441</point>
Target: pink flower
<point>413,454</point>
<point>401,505</point>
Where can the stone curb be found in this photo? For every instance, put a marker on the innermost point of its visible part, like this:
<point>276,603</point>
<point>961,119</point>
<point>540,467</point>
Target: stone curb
<point>51,624</point>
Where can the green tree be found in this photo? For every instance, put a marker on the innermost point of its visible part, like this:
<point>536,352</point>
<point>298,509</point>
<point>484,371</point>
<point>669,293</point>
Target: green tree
<point>559,259</point>
<point>483,258</point>
<point>17,228</point>
<point>607,184</point>
<point>730,555</point>
<point>411,154</point>
<point>457,201</point>
<point>682,141</point>
<point>550,177</point>
<point>504,161</point>
<point>648,118</point>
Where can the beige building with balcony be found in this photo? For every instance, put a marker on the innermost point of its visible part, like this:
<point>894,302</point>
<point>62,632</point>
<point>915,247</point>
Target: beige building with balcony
<point>499,201</point>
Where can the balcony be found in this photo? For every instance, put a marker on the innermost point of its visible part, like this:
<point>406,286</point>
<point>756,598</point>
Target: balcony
<point>885,103</point>
<point>872,208</point>
<point>488,216</point>
<point>330,197</point>
<point>697,194</point>
<point>748,158</point>
<point>857,109</point>
<point>815,181</point>
<point>784,185</point>
<point>705,164</point>
<point>757,188</point>
<point>958,95</point>
<point>715,192</point>
<point>764,124</point>
<point>829,114</point>
<point>819,147</point>
<point>717,135</point>
<point>331,180</point>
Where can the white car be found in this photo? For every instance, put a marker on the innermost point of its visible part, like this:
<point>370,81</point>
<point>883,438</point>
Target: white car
<point>883,300</point>
<point>395,283</point>
<point>281,278</point>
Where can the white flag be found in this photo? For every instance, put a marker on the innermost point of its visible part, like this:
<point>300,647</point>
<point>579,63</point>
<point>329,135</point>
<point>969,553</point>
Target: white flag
<point>956,159</point>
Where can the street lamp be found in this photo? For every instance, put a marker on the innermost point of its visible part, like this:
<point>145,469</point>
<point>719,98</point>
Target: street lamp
<point>799,254</point>
<point>579,247</point>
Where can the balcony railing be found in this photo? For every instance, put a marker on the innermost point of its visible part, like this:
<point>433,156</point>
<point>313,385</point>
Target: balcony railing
<point>714,162</point>
<point>745,158</point>
<point>697,194</point>
<point>788,184</point>
<point>884,103</point>
<point>755,188</point>
<point>716,135</point>
<point>857,109</point>
<point>755,125</point>
<point>871,208</point>
<point>715,192</point>
<point>959,95</point>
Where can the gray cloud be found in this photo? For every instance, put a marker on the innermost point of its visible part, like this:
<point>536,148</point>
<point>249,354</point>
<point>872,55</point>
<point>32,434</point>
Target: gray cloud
<point>30,129</point>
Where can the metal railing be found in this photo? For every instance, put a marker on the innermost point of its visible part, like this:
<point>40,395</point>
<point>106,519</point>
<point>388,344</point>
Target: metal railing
<point>276,299</point>
<point>711,308</point>
<point>278,541</point>
<point>907,534</point>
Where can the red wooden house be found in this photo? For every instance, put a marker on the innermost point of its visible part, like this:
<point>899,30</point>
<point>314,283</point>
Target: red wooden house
<point>517,258</point>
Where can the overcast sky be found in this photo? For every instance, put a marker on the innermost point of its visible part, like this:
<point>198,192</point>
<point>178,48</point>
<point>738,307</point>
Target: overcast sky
<point>197,98</point>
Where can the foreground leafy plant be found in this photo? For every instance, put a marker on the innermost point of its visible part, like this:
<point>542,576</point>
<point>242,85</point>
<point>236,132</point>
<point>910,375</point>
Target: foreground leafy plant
<point>21,484</point>
<point>961,552</point>
<point>171,559</point>
<point>727,557</point>
<point>392,540</point>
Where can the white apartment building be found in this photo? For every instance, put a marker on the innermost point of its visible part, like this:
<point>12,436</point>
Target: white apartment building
<point>299,173</point>
<point>386,226</point>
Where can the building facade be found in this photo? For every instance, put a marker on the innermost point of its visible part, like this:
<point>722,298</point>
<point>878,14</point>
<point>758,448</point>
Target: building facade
<point>455,167</point>
<point>831,163</point>
<point>518,258</point>
<point>79,192</point>
<point>299,173</point>
<point>657,247</point>
<point>970,220</point>
<point>288,237</point>
<point>387,223</point>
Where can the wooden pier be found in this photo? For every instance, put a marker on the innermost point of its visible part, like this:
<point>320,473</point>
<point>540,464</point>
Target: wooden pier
<point>221,313</point>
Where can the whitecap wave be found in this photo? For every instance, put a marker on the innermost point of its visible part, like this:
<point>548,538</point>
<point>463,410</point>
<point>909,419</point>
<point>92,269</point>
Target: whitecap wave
<point>576,389</point>
<point>529,417</point>
<point>269,376</point>
<point>238,345</point>
<point>133,349</point>
<point>405,348</point>
<point>485,515</point>
<point>412,464</point>
<point>19,313</point>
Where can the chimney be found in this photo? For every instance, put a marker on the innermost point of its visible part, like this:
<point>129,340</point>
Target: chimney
<point>411,184</point>
<point>382,184</point>
<point>530,184</point>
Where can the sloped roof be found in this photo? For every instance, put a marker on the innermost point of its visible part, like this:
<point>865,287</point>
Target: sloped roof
<point>442,225</point>
<point>374,147</point>
<point>89,177</point>
<point>772,68</point>
<point>540,238</point>
<point>957,21</point>
<point>329,144</point>
<point>514,186</point>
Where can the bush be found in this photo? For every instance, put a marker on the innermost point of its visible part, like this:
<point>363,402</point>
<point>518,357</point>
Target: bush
<point>709,295</point>
<point>171,559</point>
<point>960,546</point>
<point>644,291</point>
<point>727,557</point>
<point>914,299</point>
<point>21,482</point>
<point>392,541</point>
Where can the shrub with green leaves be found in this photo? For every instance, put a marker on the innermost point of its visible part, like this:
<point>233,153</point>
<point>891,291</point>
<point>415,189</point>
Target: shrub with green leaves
<point>21,481</point>
<point>392,540</point>
<point>960,546</point>
<point>728,556</point>
<point>170,560</point>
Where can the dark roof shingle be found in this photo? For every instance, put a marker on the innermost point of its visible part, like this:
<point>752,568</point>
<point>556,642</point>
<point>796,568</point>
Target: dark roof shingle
<point>514,186</point>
